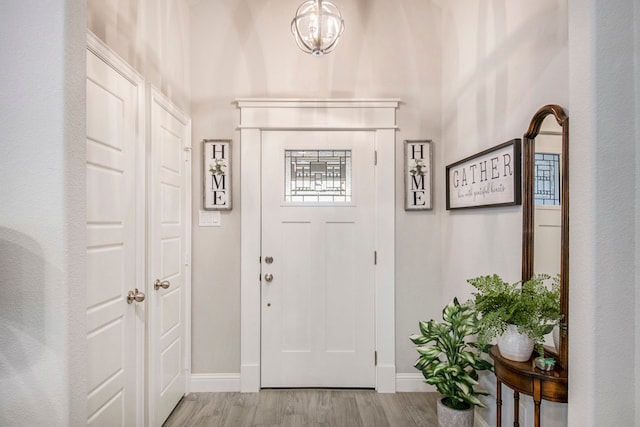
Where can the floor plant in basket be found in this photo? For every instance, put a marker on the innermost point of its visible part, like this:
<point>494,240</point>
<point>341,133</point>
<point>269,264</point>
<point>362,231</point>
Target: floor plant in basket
<point>450,360</point>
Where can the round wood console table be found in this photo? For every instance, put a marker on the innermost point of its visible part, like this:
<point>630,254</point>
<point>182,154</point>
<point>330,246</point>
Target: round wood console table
<point>524,377</point>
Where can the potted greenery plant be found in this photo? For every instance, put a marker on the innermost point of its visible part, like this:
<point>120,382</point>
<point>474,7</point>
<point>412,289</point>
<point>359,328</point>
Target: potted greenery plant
<point>531,309</point>
<point>450,361</point>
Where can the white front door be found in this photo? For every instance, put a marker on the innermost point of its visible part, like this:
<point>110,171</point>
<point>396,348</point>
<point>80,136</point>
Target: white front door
<point>318,259</point>
<point>169,249</point>
<point>113,216</point>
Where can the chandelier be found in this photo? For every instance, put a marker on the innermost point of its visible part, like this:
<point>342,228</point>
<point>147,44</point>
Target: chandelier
<point>317,26</point>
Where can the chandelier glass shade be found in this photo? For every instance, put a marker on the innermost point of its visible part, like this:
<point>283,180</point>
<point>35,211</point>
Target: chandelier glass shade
<point>317,26</point>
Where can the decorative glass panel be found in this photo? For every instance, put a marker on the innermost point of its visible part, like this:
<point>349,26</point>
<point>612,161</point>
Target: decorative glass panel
<point>547,179</point>
<point>317,176</point>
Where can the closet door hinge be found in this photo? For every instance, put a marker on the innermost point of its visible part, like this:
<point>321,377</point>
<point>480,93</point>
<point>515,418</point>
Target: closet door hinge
<point>375,358</point>
<point>375,257</point>
<point>375,158</point>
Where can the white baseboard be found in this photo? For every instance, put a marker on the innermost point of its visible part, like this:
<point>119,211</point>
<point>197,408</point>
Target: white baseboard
<point>407,383</point>
<point>213,383</point>
<point>202,383</point>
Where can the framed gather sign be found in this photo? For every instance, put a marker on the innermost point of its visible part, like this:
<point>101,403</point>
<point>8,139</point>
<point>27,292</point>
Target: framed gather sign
<point>490,178</point>
<point>418,175</point>
<point>216,172</point>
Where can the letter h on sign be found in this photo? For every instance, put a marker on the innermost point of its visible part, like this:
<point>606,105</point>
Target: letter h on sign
<point>216,172</point>
<point>417,175</point>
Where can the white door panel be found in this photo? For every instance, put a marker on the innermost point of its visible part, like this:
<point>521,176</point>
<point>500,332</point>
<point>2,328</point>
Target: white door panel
<point>112,135</point>
<point>169,188</point>
<point>318,310</point>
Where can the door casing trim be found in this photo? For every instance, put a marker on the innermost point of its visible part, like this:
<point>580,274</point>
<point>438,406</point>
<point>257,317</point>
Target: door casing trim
<point>258,115</point>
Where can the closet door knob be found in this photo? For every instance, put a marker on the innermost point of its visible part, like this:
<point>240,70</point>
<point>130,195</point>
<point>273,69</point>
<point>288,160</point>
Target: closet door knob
<point>164,284</point>
<point>136,296</point>
<point>268,277</point>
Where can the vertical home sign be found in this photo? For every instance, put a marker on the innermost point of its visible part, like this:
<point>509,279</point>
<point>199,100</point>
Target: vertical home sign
<point>217,174</point>
<point>418,175</point>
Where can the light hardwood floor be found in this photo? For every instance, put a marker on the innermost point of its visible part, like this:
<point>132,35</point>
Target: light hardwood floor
<point>302,407</point>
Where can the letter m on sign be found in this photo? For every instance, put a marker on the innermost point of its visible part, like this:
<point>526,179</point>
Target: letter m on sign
<point>417,182</point>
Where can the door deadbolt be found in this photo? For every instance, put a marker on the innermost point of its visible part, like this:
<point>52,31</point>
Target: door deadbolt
<point>268,277</point>
<point>269,260</point>
<point>164,284</point>
<point>136,296</point>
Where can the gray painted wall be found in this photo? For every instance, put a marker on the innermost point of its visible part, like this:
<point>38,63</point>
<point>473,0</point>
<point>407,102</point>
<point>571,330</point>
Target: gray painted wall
<point>42,215</point>
<point>152,36</point>
<point>605,221</point>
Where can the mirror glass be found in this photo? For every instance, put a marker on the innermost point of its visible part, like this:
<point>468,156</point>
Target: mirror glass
<point>547,217</point>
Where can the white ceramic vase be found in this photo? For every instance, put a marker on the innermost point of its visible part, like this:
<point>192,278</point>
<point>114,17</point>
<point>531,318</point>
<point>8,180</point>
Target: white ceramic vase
<point>448,417</point>
<point>515,346</point>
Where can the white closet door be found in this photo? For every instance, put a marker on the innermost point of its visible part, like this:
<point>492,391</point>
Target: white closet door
<point>113,215</point>
<point>169,248</point>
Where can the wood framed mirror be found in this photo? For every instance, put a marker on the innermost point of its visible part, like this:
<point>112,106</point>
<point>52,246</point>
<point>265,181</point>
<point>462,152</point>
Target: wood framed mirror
<point>545,206</point>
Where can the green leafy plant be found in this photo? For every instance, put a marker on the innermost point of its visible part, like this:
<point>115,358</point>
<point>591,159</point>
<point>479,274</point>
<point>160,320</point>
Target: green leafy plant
<point>533,307</point>
<point>448,359</point>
